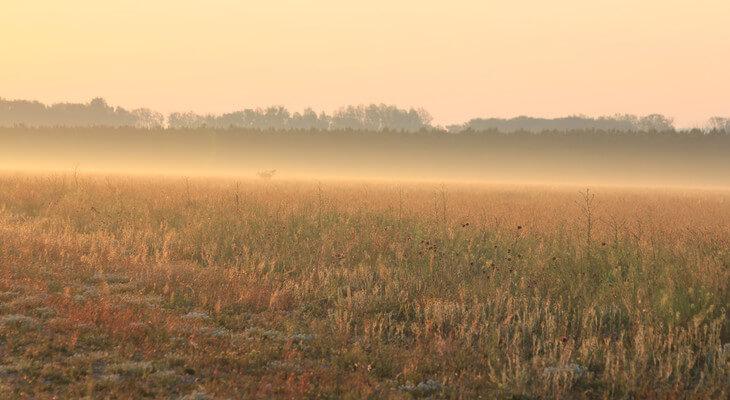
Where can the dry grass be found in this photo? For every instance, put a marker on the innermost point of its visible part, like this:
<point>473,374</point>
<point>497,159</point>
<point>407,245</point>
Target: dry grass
<point>115,287</point>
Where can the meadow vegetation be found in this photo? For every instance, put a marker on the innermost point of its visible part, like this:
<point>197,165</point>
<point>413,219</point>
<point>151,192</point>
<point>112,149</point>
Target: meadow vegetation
<point>120,287</point>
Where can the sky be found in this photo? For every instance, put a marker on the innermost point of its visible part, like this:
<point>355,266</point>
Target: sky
<point>458,59</point>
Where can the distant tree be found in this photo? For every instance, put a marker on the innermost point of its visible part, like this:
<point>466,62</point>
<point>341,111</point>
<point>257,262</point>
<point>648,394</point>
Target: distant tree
<point>349,117</point>
<point>22,112</point>
<point>276,117</point>
<point>719,125</point>
<point>186,120</point>
<point>98,105</point>
<point>148,119</point>
<point>424,116</point>
<point>324,121</point>
<point>656,123</point>
<point>307,120</point>
<point>379,117</point>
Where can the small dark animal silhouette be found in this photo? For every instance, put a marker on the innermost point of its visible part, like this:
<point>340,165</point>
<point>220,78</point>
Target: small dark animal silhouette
<point>266,174</point>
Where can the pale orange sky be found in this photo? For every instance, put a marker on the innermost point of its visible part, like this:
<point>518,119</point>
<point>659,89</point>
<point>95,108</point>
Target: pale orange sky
<point>458,59</point>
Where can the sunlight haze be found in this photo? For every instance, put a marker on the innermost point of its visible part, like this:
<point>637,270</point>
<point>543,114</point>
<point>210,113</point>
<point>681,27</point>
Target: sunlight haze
<point>458,59</point>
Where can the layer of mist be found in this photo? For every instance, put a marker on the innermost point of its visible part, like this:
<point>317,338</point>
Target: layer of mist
<point>572,157</point>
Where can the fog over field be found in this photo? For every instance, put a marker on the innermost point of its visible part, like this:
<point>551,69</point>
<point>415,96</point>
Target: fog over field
<point>382,199</point>
<point>364,142</point>
<point>576,157</point>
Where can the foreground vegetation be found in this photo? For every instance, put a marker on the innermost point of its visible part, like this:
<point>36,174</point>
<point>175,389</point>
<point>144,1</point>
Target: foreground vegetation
<point>116,287</point>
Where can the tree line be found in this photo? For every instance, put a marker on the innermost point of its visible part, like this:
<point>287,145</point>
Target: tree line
<point>94,113</point>
<point>374,117</point>
<point>620,122</point>
<point>97,113</point>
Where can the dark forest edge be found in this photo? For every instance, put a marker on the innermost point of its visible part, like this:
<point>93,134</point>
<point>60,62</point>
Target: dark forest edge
<point>374,118</point>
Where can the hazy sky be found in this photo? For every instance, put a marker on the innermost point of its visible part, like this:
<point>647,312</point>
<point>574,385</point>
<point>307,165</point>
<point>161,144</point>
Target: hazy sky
<point>458,59</point>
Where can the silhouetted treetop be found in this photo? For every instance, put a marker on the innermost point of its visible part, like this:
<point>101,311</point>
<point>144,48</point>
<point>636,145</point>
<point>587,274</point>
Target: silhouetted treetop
<point>95,113</point>
<point>620,122</point>
<point>373,117</point>
<point>719,125</point>
<point>366,118</point>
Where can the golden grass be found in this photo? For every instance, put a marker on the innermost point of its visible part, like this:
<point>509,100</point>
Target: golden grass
<point>116,287</point>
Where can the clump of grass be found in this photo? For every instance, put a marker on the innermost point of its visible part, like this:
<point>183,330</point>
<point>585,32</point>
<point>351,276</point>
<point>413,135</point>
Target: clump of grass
<point>196,396</point>
<point>196,315</point>
<point>131,368</point>
<point>18,320</point>
<point>110,278</point>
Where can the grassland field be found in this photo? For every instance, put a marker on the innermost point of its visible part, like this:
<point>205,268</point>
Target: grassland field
<point>141,287</point>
